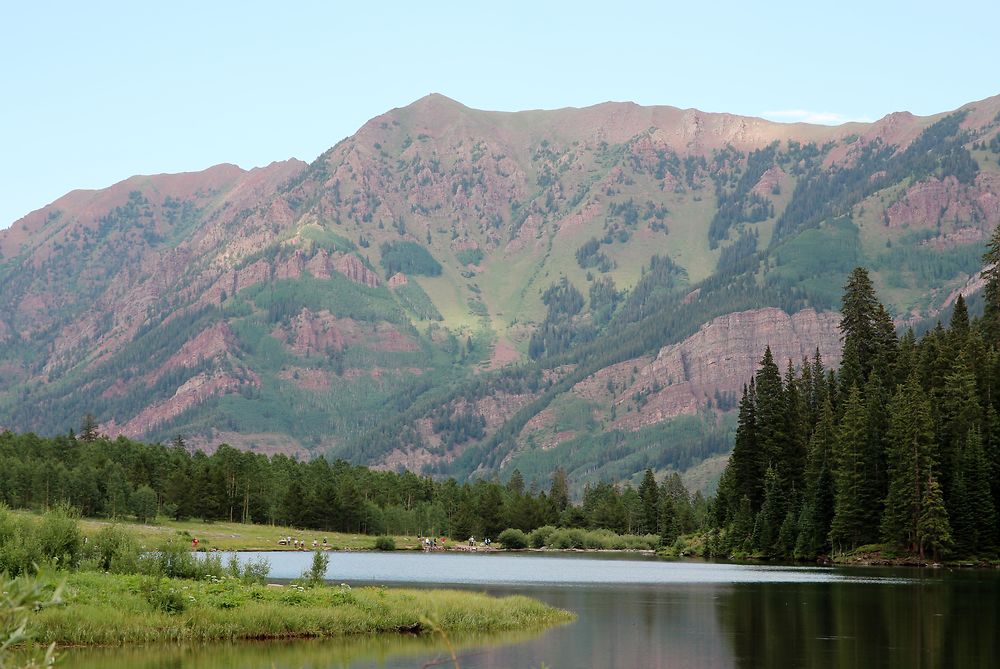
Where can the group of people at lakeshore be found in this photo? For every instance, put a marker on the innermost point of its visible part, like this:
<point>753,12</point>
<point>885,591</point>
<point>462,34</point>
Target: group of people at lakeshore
<point>300,544</point>
<point>426,544</point>
<point>435,544</point>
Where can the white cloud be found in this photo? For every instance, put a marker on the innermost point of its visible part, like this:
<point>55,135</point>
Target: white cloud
<point>807,116</point>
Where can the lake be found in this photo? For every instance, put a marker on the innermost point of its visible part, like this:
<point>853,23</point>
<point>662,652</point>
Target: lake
<point>644,612</point>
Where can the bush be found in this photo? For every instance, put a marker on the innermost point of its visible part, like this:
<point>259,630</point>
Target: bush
<point>574,538</point>
<point>174,560</point>
<point>59,537</point>
<point>254,571</point>
<point>114,550</point>
<point>163,596</point>
<point>513,539</point>
<point>27,544</point>
<point>539,537</point>
<point>316,573</point>
<point>385,543</point>
<point>564,539</point>
<point>470,256</point>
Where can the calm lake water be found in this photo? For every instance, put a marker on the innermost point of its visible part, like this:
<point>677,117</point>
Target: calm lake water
<point>636,612</point>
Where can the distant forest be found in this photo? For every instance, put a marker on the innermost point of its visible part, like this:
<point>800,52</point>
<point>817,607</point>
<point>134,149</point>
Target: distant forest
<point>121,478</point>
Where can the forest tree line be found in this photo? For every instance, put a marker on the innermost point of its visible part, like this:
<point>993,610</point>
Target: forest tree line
<point>121,478</point>
<point>898,447</point>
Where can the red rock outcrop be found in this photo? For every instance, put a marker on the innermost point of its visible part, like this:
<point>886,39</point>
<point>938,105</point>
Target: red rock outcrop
<point>932,201</point>
<point>355,270</point>
<point>209,344</point>
<point>722,356</point>
<point>191,393</point>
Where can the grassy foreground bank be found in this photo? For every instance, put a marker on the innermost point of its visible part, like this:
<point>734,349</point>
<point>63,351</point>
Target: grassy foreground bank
<point>60,585</point>
<point>105,609</point>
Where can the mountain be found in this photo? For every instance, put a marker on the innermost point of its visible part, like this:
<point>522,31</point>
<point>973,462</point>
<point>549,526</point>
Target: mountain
<point>465,292</point>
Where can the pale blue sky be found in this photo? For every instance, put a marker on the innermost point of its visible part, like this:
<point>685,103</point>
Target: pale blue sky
<point>94,92</point>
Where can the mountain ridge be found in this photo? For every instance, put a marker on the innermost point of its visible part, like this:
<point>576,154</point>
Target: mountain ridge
<point>287,306</point>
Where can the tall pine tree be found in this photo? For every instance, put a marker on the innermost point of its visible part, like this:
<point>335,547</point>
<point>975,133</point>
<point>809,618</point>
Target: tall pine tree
<point>850,517</point>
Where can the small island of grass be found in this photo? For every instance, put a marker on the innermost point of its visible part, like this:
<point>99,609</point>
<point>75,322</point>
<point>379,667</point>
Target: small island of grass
<point>111,609</point>
<point>108,589</point>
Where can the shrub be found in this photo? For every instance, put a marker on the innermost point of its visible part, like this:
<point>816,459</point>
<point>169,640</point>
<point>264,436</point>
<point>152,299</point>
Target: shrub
<point>317,570</point>
<point>539,537</point>
<point>470,256</point>
<point>174,560</point>
<point>115,550</point>
<point>59,537</point>
<point>385,543</point>
<point>564,539</point>
<point>254,571</point>
<point>513,539</point>
<point>26,544</point>
<point>163,595</point>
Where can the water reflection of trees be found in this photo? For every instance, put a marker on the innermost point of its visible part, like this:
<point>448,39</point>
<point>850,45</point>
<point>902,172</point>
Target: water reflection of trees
<point>934,622</point>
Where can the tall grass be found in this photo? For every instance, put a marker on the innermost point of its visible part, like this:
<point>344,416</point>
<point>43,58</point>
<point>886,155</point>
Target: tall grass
<point>114,609</point>
<point>116,592</point>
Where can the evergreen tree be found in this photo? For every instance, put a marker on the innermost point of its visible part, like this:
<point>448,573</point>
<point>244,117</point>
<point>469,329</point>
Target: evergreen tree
<point>772,421</point>
<point>739,537</point>
<point>859,312</point>
<point>886,348</point>
<point>991,291</point>
<point>674,488</point>
<point>847,531</point>
<point>787,535</point>
<point>933,530</point>
<point>744,475</point>
<point>178,491</point>
<point>876,482</point>
<point>771,515</point>
<point>851,375</point>
<point>991,450</point>
<point>906,359</point>
<point>793,459</point>
<point>649,498</point>
<point>516,482</point>
<point>559,490</point>
<point>909,459</point>
<point>976,502</point>
<point>817,509</point>
<point>88,428</point>
<point>959,413</point>
<point>667,521</point>
<point>958,327</point>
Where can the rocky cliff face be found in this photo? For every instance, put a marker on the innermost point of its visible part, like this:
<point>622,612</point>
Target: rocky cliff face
<point>930,203</point>
<point>723,356</point>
